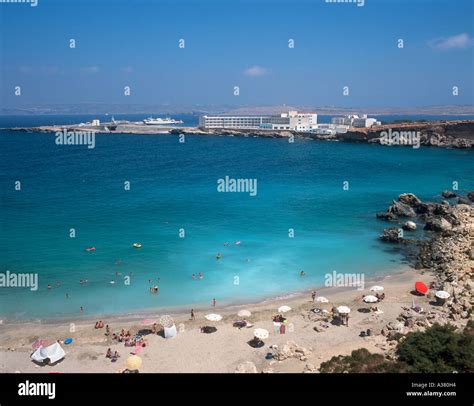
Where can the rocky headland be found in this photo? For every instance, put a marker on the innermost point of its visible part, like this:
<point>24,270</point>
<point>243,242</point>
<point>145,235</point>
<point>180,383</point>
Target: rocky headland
<point>446,249</point>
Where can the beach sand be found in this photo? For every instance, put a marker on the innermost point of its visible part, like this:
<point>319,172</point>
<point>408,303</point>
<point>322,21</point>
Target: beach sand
<point>224,350</point>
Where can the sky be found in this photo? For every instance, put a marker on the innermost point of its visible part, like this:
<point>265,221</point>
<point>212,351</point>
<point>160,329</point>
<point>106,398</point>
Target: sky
<point>231,43</point>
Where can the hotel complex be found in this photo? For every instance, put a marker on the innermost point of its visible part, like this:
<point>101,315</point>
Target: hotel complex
<point>286,121</point>
<point>354,120</point>
<point>291,121</point>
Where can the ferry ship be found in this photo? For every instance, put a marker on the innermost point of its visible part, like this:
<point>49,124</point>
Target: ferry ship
<point>161,121</point>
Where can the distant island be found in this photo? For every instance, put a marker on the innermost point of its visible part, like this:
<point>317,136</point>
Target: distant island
<point>108,108</point>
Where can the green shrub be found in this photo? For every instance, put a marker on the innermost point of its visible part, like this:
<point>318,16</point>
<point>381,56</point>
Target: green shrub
<point>439,349</point>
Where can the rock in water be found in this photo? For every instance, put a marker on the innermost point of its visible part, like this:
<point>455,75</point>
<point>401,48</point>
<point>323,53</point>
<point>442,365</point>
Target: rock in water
<point>393,234</point>
<point>409,226</point>
<point>470,195</point>
<point>464,200</point>
<point>409,199</point>
<point>401,210</point>
<point>448,194</point>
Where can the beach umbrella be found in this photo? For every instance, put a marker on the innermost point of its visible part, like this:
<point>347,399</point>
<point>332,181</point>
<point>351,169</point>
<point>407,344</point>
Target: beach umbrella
<point>148,322</point>
<point>166,321</point>
<point>322,299</point>
<point>284,309</point>
<point>213,317</point>
<point>260,333</point>
<point>376,288</point>
<point>442,294</point>
<point>420,287</point>
<point>133,362</point>
<point>343,310</point>
<point>370,299</point>
<point>244,313</point>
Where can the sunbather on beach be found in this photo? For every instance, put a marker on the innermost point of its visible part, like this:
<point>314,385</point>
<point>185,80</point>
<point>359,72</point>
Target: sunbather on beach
<point>109,353</point>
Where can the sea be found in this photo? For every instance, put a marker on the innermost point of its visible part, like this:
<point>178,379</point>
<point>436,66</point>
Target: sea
<point>313,211</point>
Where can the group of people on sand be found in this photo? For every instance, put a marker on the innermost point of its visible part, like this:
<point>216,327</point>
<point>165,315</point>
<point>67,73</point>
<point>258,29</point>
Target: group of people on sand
<point>343,317</point>
<point>100,324</point>
<point>278,318</point>
<point>200,276</point>
<point>122,336</point>
<point>129,340</point>
<point>113,356</point>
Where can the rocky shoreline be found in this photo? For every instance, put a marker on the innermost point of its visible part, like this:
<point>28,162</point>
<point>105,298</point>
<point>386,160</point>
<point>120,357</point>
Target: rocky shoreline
<point>457,134</point>
<point>448,254</point>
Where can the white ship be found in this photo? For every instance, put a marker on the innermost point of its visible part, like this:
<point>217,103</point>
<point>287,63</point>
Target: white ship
<point>161,121</point>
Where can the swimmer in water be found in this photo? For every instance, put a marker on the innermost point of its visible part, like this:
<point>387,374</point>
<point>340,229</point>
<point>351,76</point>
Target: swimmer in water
<point>193,276</point>
<point>201,275</point>
<point>302,273</point>
<point>218,256</point>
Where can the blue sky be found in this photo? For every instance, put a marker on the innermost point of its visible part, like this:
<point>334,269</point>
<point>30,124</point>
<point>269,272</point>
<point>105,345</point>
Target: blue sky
<point>238,43</point>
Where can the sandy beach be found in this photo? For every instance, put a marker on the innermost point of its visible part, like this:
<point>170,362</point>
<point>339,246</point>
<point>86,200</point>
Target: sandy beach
<point>226,349</point>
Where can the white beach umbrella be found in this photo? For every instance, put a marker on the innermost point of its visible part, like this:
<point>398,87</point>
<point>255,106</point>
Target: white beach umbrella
<point>322,299</point>
<point>343,310</point>
<point>370,299</point>
<point>166,321</point>
<point>376,288</point>
<point>442,294</point>
<point>213,317</point>
<point>244,313</point>
<point>260,333</point>
<point>284,309</point>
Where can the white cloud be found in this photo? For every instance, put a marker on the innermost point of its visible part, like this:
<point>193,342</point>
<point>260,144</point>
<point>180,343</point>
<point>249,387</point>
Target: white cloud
<point>90,69</point>
<point>460,41</point>
<point>256,71</point>
<point>40,70</point>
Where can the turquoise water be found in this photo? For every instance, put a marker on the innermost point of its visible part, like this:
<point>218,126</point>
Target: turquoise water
<point>173,186</point>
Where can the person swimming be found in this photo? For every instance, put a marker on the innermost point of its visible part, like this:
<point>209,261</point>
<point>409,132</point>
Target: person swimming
<point>201,275</point>
<point>218,255</point>
<point>193,276</point>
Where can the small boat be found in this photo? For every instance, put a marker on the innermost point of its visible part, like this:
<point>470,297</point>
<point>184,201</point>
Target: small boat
<point>136,245</point>
<point>88,249</point>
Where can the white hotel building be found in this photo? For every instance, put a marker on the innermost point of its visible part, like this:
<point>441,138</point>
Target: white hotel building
<point>292,120</point>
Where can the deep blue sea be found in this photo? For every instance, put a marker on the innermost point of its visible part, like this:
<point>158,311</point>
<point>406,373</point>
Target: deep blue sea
<point>173,186</point>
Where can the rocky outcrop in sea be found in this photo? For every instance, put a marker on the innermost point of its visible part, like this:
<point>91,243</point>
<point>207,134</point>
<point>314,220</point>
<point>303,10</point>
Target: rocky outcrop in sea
<point>448,253</point>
